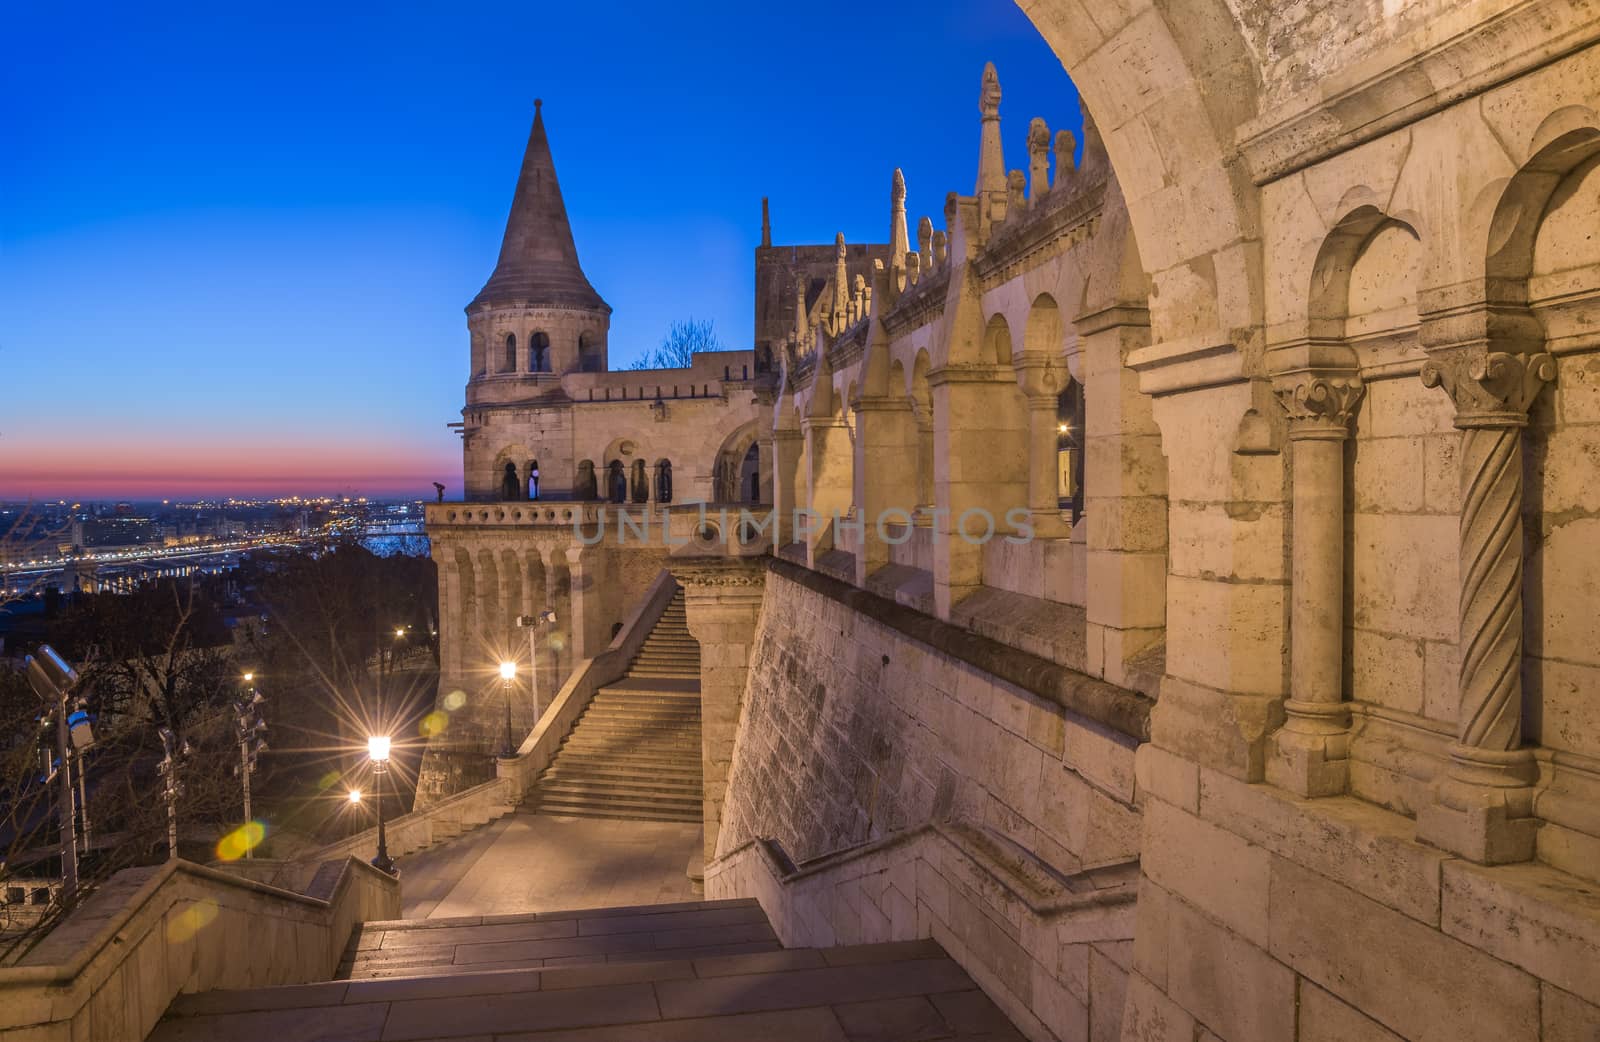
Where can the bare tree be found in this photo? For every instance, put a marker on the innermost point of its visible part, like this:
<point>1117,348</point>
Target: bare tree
<point>678,347</point>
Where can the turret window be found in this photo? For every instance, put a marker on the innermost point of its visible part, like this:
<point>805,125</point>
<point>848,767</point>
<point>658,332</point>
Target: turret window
<point>539,353</point>
<point>508,361</point>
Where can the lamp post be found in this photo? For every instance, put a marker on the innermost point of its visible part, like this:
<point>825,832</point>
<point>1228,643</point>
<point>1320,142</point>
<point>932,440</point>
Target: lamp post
<point>378,751</point>
<point>173,753</point>
<point>532,623</point>
<point>249,726</point>
<point>51,679</point>
<point>508,673</point>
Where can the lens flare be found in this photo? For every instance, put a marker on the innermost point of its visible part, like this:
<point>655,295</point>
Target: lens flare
<point>454,700</point>
<point>434,723</point>
<point>329,780</point>
<point>246,837</point>
<point>184,925</point>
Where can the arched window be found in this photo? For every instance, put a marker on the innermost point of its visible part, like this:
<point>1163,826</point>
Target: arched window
<point>509,483</point>
<point>616,482</point>
<point>664,481</point>
<point>750,474</point>
<point>589,359</point>
<point>640,481</point>
<point>586,487</point>
<point>533,479</point>
<point>508,361</point>
<point>539,353</point>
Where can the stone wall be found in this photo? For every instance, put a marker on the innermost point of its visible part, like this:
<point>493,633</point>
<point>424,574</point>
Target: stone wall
<point>852,730</point>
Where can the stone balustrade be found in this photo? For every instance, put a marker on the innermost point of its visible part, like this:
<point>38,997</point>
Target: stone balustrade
<point>108,972</point>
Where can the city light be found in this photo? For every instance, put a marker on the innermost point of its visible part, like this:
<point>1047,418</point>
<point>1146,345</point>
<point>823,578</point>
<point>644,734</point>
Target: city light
<point>378,748</point>
<point>355,796</point>
<point>508,670</point>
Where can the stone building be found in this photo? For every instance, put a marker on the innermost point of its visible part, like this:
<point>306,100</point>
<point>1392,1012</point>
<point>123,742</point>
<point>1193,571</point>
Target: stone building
<point>1286,728</point>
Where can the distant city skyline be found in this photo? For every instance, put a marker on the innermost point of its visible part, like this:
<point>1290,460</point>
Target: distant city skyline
<point>234,256</point>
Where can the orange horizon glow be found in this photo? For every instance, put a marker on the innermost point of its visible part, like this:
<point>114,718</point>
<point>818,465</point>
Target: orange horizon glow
<point>174,469</point>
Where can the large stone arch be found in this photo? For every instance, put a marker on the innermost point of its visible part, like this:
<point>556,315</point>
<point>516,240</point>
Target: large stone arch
<point>1169,86</point>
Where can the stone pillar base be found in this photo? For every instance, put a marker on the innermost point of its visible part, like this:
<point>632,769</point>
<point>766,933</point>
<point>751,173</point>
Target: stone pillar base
<point>1483,807</point>
<point>1308,765</point>
<point>1049,524</point>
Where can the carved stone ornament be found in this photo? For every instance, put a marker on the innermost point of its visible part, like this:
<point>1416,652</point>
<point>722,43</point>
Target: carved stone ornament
<point>1322,401</point>
<point>1492,389</point>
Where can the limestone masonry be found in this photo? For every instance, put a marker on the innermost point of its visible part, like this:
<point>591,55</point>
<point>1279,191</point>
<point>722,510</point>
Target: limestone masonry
<point>1278,717</point>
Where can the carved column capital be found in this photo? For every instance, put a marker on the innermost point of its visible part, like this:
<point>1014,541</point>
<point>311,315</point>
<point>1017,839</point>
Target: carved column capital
<point>1490,388</point>
<point>1319,406</point>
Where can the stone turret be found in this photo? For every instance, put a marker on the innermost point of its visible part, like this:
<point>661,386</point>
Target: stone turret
<point>538,312</point>
<point>1038,159</point>
<point>991,157</point>
<point>1065,165</point>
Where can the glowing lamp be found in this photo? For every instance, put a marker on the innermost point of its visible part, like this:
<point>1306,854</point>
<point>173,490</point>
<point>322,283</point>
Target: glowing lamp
<point>378,748</point>
<point>355,795</point>
<point>508,670</point>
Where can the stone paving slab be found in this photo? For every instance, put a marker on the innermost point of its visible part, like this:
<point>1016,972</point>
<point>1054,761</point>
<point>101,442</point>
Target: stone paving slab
<point>897,992</point>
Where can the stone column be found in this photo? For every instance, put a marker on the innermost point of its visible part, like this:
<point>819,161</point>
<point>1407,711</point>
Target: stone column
<point>1310,754</point>
<point>1040,380</point>
<point>885,474</point>
<point>1483,808</point>
<point>830,477</point>
<point>585,565</point>
<point>722,605</point>
<point>786,446</point>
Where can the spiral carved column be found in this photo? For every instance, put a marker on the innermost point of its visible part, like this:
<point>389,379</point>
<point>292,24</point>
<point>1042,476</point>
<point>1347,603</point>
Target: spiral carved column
<point>1310,754</point>
<point>1483,807</point>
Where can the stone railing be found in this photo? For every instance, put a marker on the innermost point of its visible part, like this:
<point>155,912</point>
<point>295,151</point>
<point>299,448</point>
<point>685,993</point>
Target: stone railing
<point>1047,948</point>
<point>497,797</point>
<point>589,676</point>
<point>110,969</point>
<point>421,829</point>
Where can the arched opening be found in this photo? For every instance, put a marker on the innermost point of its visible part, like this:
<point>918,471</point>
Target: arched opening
<point>664,481</point>
<point>750,474</point>
<point>922,403</point>
<point>616,482</point>
<point>589,356</point>
<point>639,480</point>
<point>509,482</point>
<point>586,487</point>
<point>508,357</point>
<point>539,353</point>
<point>533,479</point>
<point>1069,449</point>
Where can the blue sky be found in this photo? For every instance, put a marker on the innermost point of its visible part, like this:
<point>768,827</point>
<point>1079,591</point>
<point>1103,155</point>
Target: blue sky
<point>235,242</point>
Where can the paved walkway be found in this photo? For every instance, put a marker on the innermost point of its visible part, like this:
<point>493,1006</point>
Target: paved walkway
<point>543,863</point>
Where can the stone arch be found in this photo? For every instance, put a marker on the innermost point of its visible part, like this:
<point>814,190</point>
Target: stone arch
<point>663,480</point>
<point>639,481</point>
<point>508,354</point>
<point>997,341</point>
<point>586,485</point>
<point>1189,77</point>
<point>1044,333</point>
<point>616,490</point>
<point>1522,208</point>
<point>727,464</point>
<point>1365,266</point>
<point>539,352</point>
<point>922,406</point>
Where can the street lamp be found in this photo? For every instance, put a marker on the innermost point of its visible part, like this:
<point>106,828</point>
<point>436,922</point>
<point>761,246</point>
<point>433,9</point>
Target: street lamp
<point>172,756</point>
<point>52,679</point>
<point>249,727</point>
<point>378,751</point>
<point>508,673</point>
<point>532,623</point>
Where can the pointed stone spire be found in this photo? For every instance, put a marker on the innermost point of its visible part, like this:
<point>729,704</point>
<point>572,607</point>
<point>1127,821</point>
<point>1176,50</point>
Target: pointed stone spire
<point>802,321</point>
<point>1065,164</point>
<point>841,285</point>
<point>991,159</point>
<point>766,223</point>
<point>899,242</point>
<point>925,244</point>
<point>1038,159</point>
<point>538,260</point>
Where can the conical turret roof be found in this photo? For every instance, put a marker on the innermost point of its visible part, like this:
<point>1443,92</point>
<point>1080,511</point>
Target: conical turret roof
<point>538,263</point>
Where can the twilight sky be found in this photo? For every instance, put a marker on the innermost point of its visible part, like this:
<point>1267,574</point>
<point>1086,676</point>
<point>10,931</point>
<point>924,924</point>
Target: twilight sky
<point>236,240</point>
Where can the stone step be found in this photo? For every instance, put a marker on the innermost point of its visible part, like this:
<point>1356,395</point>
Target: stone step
<point>568,785</point>
<point>610,810</point>
<point>675,768</point>
<point>640,781</point>
<point>631,731</point>
<point>710,993</point>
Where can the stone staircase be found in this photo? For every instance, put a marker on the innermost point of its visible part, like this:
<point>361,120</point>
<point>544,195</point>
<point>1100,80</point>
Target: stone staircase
<point>705,971</point>
<point>634,753</point>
